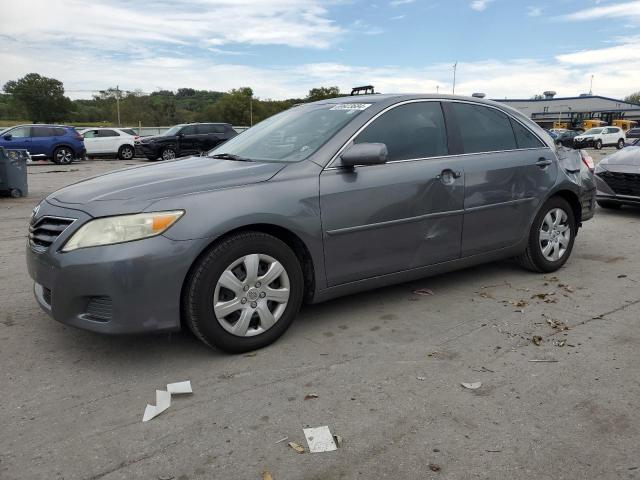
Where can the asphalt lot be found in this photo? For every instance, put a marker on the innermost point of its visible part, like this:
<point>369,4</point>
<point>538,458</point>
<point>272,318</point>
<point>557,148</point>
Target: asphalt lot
<point>386,366</point>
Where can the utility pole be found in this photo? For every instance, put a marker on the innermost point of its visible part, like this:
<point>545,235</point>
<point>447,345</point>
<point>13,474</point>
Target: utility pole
<point>591,86</point>
<point>251,110</point>
<point>118,102</point>
<point>437,88</point>
<point>455,67</point>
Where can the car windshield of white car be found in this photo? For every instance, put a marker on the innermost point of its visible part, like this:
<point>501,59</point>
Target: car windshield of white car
<point>292,135</point>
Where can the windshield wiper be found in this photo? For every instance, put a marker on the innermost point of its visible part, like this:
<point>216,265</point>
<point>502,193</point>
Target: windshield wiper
<point>230,156</point>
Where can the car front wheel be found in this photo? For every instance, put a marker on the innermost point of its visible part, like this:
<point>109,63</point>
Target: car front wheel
<point>244,292</point>
<point>168,154</point>
<point>551,237</point>
<point>63,156</point>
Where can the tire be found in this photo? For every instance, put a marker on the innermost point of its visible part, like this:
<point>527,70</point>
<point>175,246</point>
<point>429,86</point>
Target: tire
<point>533,257</point>
<point>63,156</point>
<point>242,329</point>
<point>598,145</point>
<point>168,153</point>
<point>620,144</point>
<point>15,193</point>
<point>126,152</point>
<point>609,205</point>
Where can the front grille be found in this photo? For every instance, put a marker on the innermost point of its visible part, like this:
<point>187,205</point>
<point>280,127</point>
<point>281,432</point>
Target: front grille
<point>99,309</point>
<point>44,231</point>
<point>622,183</point>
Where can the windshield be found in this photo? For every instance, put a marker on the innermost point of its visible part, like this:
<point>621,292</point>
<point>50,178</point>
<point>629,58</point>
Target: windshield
<point>593,131</point>
<point>172,131</point>
<point>292,135</point>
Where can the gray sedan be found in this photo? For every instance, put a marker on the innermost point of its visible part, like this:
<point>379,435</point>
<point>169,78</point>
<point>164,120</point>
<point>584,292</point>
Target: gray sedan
<point>322,200</point>
<point>618,178</point>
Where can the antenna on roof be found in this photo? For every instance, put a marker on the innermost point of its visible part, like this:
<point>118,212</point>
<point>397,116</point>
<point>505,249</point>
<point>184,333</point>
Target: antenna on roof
<point>364,90</point>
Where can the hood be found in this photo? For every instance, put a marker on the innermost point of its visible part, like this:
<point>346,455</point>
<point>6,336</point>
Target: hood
<point>627,156</point>
<point>167,179</point>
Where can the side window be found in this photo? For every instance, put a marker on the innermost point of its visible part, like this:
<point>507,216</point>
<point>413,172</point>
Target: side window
<point>90,134</point>
<point>58,131</point>
<point>206,129</point>
<point>19,132</point>
<point>483,129</point>
<point>108,133</point>
<point>41,132</point>
<point>189,130</point>
<point>526,139</point>
<point>414,130</point>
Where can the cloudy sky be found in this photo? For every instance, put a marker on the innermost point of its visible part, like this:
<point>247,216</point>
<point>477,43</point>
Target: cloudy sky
<point>282,48</point>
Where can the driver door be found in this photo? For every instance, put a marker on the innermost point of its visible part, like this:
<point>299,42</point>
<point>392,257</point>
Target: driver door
<point>404,214</point>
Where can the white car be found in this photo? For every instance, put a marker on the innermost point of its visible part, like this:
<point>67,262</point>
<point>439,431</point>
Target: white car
<point>110,141</point>
<point>599,137</point>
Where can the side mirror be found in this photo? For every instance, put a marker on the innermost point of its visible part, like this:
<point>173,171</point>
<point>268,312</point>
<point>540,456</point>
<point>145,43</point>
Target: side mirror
<point>180,135</point>
<point>8,136</point>
<point>364,154</point>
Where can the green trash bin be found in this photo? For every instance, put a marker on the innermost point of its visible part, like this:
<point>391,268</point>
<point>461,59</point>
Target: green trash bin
<point>13,172</point>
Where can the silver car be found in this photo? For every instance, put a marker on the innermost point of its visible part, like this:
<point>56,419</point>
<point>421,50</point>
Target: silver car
<point>322,200</point>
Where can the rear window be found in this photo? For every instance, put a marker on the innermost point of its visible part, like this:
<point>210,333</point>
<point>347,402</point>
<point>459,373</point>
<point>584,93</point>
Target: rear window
<point>42,132</point>
<point>58,131</point>
<point>526,139</point>
<point>108,133</point>
<point>210,128</point>
<point>483,129</point>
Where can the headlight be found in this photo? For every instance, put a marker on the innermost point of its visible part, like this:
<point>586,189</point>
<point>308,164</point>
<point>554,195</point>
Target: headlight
<point>122,228</point>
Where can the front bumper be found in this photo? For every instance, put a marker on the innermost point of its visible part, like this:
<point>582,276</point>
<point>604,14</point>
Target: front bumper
<point>584,143</point>
<point>607,192</point>
<point>126,288</point>
<point>146,150</point>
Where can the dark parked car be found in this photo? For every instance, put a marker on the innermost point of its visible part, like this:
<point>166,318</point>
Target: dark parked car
<point>618,178</point>
<point>182,140</point>
<point>322,200</point>
<point>633,133</point>
<point>565,138</point>
<point>58,143</point>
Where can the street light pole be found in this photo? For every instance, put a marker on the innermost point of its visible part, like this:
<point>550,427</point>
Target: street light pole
<point>591,86</point>
<point>251,111</point>
<point>118,102</point>
<point>455,67</point>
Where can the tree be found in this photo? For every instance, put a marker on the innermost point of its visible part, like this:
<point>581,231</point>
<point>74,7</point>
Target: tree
<point>633,98</point>
<point>41,97</point>
<point>233,107</point>
<point>322,93</point>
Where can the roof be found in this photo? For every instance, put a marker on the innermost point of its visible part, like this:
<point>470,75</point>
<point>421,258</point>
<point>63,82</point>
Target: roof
<point>556,99</point>
<point>400,97</point>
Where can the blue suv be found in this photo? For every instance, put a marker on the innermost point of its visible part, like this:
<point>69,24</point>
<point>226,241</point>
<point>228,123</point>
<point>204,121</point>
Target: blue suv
<point>60,144</point>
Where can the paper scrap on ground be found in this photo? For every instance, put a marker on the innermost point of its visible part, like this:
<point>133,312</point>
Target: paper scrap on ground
<point>179,387</point>
<point>163,401</point>
<point>471,386</point>
<point>319,439</point>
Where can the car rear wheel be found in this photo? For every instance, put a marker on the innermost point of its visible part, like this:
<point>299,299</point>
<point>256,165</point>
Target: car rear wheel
<point>609,205</point>
<point>168,153</point>
<point>620,144</point>
<point>243,293</point>
<point>63,156</point>
<point>598,144</point>
<point>551,237</point>
<point>126,152</point>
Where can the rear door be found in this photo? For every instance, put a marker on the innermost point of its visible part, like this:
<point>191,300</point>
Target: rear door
<point>508,171</point>
<point>42,139</point>
<point>108,141</point>
<point>404,214</point>
<point>209,135</point>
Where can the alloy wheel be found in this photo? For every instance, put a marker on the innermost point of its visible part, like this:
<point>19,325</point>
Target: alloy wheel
<point>64,156</point>
<point>555,234</point>
<point>251,295</point>
<point>127,153</point>
<point>168,154</point>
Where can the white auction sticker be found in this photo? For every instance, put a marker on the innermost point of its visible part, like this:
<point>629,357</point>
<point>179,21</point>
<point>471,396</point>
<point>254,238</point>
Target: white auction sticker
<point>351,106</point>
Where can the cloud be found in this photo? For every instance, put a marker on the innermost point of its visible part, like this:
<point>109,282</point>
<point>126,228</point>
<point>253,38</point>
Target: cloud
<point>614,10</point>
<point>534,11</point>
<point>479,5</point>
<point>116,24</point>
<point>624,52</point>
<point>397,3</point>
<point>398,17</point>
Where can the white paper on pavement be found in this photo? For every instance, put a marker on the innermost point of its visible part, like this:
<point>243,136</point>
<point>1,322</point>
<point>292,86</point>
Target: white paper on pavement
<point>179,387</point>
<point>163,401</point>
<point>319,439</point>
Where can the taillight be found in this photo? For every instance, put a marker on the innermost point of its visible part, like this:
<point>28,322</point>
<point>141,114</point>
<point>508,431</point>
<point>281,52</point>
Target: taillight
<point>137,137</point>
<point>78,137</point>
<point>587,160</point>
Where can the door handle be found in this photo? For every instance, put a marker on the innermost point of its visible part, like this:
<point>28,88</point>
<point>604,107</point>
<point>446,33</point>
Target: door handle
<point>448,176</point>
<point>543,162</point>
